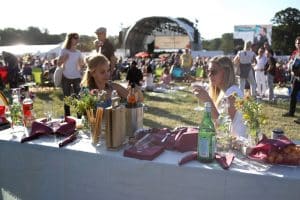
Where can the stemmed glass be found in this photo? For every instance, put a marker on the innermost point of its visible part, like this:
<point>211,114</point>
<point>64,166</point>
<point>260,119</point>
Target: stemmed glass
<point>203,85</point>
<point>48,110</point>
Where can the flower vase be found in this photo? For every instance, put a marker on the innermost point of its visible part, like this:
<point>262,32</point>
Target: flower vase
<point>254,135</point>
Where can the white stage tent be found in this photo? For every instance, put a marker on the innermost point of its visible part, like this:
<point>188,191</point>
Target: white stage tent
<point>51,50</point>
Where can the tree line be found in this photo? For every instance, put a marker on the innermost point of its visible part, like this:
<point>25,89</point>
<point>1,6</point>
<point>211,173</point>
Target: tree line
<point>285,28</point>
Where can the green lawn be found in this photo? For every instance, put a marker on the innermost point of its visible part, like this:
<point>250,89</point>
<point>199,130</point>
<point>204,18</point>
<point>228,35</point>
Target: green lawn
<point>176,109</point>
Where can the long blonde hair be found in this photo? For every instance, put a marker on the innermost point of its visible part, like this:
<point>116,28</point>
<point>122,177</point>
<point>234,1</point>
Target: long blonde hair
<point>228,79</point>
<point>92,62</point>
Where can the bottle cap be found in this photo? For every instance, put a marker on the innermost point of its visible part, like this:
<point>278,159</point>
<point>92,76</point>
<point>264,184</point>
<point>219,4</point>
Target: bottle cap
<point>278,130</point>
<point>207,104</point>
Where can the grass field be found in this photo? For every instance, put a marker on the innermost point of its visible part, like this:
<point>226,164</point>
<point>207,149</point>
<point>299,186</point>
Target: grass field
<point>177,109</point>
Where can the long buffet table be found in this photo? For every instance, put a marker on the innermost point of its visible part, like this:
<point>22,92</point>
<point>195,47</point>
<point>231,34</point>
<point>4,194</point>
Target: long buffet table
<point>40,170</point>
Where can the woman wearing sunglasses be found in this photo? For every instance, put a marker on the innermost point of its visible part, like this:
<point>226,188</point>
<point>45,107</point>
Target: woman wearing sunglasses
<point>71,60</point>
<point>222,85</point>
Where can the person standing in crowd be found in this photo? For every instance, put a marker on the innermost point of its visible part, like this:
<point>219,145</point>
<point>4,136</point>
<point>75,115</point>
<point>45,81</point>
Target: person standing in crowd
<point>244,59</point>
<point>97,76</point>
<point>222,85</point>
<point>134,74</point>
<point>105,47</point>
<point>72,62</point>
<point>295,80</point>
<point>186,62</point>
<point>135,77</point>
<point>270,69</point>
<point>12,63</point>
<point>261,61</point>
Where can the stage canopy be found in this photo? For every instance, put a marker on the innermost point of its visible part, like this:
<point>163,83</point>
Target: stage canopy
<point>141,35</point>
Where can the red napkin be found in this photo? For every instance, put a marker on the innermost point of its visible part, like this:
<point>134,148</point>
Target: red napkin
<point>148,153</point>
<point>261,151</point>
<point>68,140</point>
<point>186,140</point>
<point>163,137</point>
<point>38,128</point>
<point>181,139</point>
<point>223,160</point>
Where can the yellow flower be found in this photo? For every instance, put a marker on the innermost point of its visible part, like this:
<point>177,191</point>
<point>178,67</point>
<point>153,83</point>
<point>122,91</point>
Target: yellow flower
<point>252,112</point>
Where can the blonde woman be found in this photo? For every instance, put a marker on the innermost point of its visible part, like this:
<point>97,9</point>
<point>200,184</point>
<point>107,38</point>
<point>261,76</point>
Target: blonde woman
<point>71,60</point>
<point>97,76</point>
<point>245,58</point>
<point>222,85</point>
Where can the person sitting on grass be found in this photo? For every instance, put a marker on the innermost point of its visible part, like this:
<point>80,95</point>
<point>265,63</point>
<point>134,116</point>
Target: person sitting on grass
<point>166,78</point>
<point>148,84</point>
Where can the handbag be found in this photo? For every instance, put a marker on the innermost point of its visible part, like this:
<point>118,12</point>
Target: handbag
<point>57,76</point>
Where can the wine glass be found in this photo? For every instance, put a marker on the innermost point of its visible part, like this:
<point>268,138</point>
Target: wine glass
<point>203,85</point>
<point>48,110</point>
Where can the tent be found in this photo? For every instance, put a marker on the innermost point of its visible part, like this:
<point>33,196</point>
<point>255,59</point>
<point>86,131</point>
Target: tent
<point>39,50</point>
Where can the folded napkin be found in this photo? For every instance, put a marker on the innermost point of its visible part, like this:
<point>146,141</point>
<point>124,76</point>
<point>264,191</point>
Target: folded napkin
<point>223,160</point>
<point>181,139</point>
<point>148,153</point>
<point>68,140</point>
<point>266,147</point>
<point>163,137</point>
<point>186,139</point>
<point>43,127</point>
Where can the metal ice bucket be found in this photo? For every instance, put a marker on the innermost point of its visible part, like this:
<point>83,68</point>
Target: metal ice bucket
<point>134,120</point>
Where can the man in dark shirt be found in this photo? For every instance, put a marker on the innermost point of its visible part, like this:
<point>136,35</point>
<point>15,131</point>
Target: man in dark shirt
<point>134,75</point>
<point>270,72</point>
<point>295,81</point>
<point>105,47</point>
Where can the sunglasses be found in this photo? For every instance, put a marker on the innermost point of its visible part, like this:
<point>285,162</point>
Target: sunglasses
<point>212,72</point>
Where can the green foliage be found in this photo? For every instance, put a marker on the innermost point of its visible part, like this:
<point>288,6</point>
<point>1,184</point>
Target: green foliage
<point>286,27</point>
<point>252,112</point>
<point>32,35</point>
<point>227,43</point>
<point>86,100</point>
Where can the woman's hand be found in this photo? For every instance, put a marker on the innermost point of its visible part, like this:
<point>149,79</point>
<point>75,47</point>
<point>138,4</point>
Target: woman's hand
<point>201,93</point>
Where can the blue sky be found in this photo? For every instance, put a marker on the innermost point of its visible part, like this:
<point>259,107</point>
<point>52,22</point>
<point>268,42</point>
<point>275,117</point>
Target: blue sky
<point>61,16</point>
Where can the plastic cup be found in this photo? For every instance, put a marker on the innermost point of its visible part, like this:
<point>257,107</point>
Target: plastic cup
<point>2,110</point>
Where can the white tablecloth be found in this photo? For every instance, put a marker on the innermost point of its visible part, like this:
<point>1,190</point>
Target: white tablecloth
<point>40,170</point>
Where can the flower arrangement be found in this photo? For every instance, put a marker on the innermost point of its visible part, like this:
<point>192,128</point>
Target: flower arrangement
<point>252,114</point>
<point>86,99</point>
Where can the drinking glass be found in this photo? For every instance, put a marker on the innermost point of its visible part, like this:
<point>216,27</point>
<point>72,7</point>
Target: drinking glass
<point>203,85</point>
<point>17,124</point>
<point>48,110</point>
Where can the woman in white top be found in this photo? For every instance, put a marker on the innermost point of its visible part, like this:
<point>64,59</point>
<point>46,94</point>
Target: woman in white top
<point>222,85</point>
<point>245,58</point>
<point>259,68</point>
<point>148,84</point>
<point>71,60</point>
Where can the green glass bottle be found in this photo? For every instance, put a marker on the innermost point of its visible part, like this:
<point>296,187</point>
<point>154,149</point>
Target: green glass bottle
<point>206,136</point>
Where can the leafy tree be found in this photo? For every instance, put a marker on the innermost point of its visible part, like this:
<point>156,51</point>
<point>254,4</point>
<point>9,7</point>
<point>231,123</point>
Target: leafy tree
<point>86,43</point>
<point>286,27</point>
<point>212,45</point>
<point>227,43</point>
